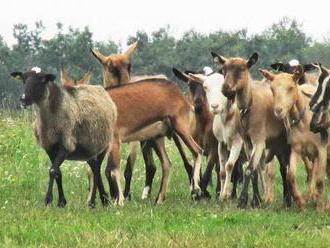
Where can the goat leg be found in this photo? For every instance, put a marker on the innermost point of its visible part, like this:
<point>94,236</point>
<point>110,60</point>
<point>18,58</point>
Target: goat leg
<point>129,168</point>
<point>150,166</point>
<point>57,157</point>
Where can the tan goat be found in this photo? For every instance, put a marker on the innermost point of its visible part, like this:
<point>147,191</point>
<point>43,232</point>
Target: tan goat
<point>291,105</point>
<point>260,128</point>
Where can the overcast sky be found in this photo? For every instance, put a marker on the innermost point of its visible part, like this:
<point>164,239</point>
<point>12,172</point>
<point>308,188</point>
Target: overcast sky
<point>119,19</point>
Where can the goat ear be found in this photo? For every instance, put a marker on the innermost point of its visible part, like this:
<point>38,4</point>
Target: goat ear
<point>48,78</point>
<point>197,78</point>
<point>17,75</point>
<point>180,75</point>
<point>64,75</point>
<point>99,56</point>
<point>131,49</point>
<point>323,70</point>
<point>309,67</point>
<point>267,74</point>
<point>86,79</point>
<point>218,59</point>
<point>298,73</point>
<point>277,66</point>
<point>252,60</point>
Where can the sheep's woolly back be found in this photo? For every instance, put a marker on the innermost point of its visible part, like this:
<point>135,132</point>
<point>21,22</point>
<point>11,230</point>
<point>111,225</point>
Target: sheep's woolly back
<point>86,116</point>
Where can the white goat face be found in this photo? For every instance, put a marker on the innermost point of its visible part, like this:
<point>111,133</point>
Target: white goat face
<point>213,88</point>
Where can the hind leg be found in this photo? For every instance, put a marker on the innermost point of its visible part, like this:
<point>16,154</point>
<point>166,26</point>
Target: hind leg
<point>188,167</point>
<point>166,167</point>
<point>182,129</point>
<point>112,173</point>
<point>150,167</point>
<point>95,166</point>
<point>270,176</point>
<point>134,146</point>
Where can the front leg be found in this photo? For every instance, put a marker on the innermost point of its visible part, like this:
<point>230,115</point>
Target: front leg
<point>57,157</point>
<point>223,157</point>
<point>233,157</point>
<point>293,181</point>
<point>251,171</point>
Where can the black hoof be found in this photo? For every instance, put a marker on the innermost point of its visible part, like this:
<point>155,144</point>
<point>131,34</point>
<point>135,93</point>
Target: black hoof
<point>48,200</point>
<point>61,204</point>
<point>206,195</point>
<point>196,195</point>
<point>255,203</point>
<point>91,205</point>
<point>242,202</point>
<point>128,197</point>
<point>287,201</point>
<point>105,200</point>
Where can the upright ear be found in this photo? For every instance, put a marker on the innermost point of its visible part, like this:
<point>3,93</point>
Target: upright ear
<point>197,78</point>
<point>48,78</point>
<point>309,67</point>
<point>252,60</point>
<point>180,75</point>
<point>324,70</point>
<point>100,57</point>
<point>17,75</point>
<point>87,77</point>
<point>298,73</point>
<point>130,50</point>
<point>218,59</point>
<point>267,74</point>
<point>64,75</point>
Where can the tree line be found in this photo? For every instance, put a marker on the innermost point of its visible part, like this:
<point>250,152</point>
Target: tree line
<point>157,53</point>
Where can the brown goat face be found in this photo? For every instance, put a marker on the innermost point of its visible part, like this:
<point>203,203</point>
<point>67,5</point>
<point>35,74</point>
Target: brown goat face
<point>35,86</point>
<point>284,87</point>
<point>198,94</point>
<point>116,68</point>
<point>285,94</point>
<point>195,83</point>
<point>236,73</point>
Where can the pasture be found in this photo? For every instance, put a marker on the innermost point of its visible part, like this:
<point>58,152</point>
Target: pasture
<point>179,222</point>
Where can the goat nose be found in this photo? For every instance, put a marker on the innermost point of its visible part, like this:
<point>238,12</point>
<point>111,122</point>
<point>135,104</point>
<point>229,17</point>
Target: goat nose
<point>214,105</point>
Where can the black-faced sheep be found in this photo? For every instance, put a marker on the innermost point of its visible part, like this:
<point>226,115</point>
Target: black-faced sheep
<point>71,124</point>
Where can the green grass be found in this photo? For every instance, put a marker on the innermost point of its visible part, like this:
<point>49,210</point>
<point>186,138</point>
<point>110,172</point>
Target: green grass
<point>25,222</point>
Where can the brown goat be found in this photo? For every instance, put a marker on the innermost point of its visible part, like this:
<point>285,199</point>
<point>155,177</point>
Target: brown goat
<point>291,105</point>
<point>260,128</point>
<point>201,128</point>
<point>146,103</point>
<point>116,67</point>
<point>116,72</point>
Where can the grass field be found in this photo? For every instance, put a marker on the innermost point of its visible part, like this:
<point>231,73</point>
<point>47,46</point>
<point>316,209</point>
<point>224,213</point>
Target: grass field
<point>25,222</point>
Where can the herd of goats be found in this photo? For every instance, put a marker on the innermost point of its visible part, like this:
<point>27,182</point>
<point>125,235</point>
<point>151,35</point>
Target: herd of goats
<point>237,123</point>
